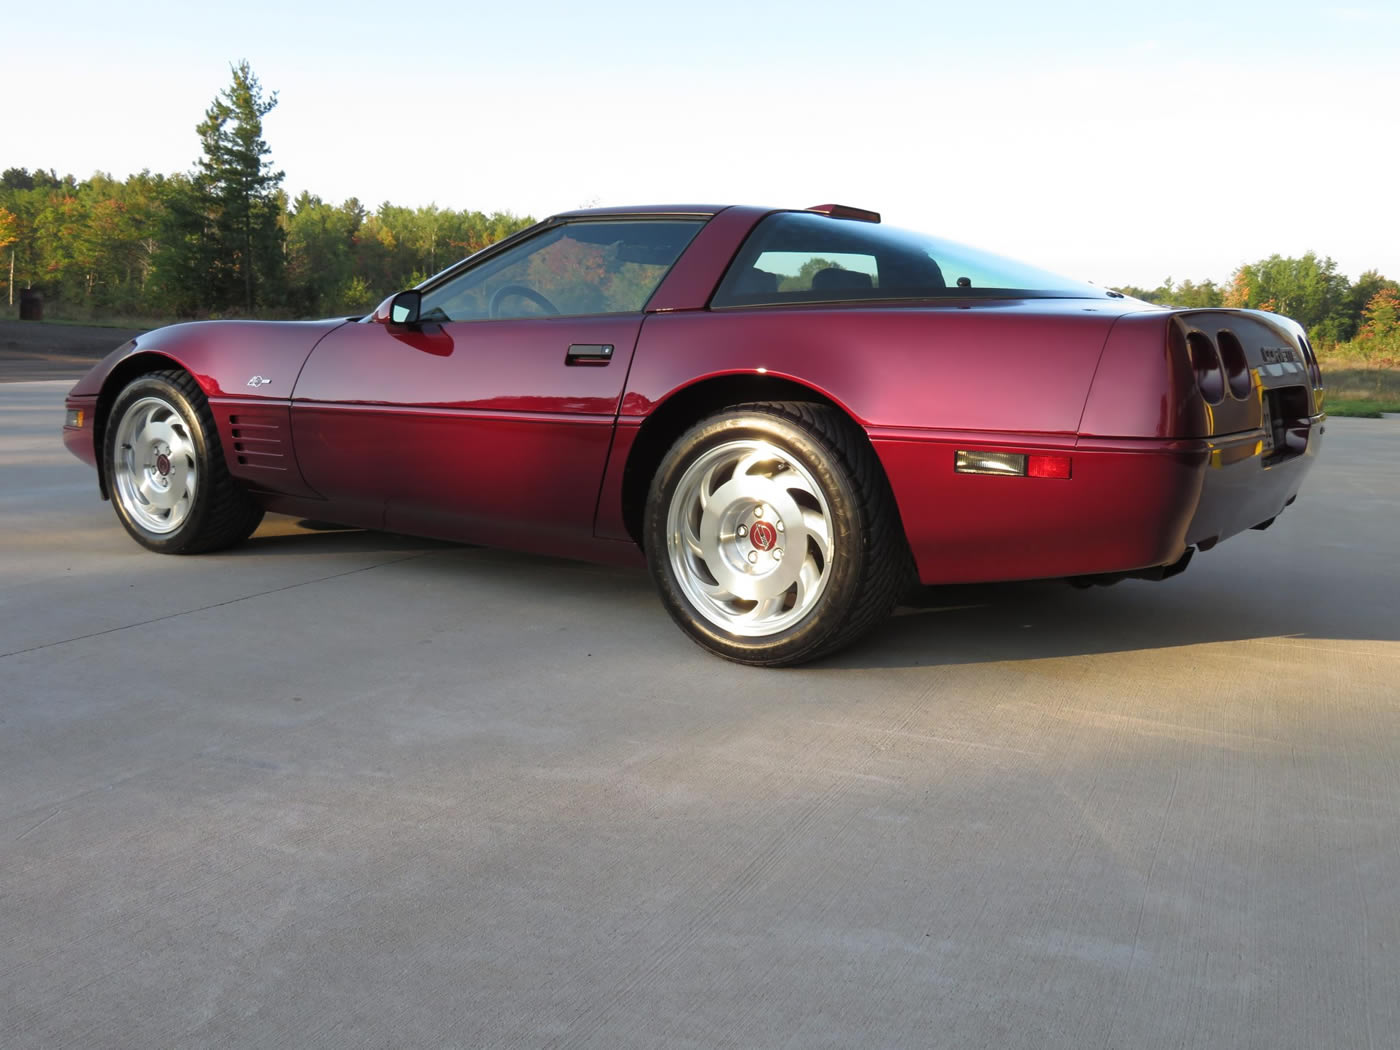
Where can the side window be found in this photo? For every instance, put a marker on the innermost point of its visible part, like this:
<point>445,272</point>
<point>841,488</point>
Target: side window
<point>809,271</point>
<point>795,257</point>
<point>576,269</point>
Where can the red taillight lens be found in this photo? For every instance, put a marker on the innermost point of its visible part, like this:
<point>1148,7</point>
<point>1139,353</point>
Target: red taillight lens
<point>1205,362</point>
<point>1235,362</point>
<point>1038,466</point>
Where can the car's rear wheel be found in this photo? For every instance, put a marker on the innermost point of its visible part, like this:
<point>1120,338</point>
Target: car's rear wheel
<point>165,469</point>
<point>772,534</point>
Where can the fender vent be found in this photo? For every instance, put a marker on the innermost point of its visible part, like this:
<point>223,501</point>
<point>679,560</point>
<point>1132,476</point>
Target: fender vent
<point>258,442</point>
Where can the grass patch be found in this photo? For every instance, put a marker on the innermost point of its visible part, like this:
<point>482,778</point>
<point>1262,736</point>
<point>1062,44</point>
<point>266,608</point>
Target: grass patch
<point>1360,388</point>
<point>146,323</point>
<point>61,316</point>
<point>1360,407</point>
<point>1357,381</point>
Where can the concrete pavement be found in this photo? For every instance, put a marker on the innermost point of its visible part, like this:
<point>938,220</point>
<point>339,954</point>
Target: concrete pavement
<point>341,789</point>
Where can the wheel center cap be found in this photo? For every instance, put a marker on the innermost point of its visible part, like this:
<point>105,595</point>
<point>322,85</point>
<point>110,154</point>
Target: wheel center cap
<point>163,464</point>
<point>763,536</point>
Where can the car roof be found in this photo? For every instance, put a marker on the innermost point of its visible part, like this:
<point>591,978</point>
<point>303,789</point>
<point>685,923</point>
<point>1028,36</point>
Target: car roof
<point>840,211</point>
<point>645,209</point>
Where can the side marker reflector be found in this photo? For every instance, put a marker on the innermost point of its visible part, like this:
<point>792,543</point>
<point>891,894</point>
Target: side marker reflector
<point>1012,464</point>
<point>1048,466</point>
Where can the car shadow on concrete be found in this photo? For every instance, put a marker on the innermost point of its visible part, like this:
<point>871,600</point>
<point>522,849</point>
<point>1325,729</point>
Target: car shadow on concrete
<point>1047,619</point>
<point>949,625</point>
<point>301,537</point>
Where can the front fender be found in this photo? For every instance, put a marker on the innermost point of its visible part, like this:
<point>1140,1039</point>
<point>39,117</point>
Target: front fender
<point>223,356</point>
<point>246,370</point>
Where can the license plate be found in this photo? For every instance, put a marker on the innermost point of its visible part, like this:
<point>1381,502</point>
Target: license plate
<point>1267,423</point>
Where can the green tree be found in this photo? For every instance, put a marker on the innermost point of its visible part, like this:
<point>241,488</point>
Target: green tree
<point>16,179</point>
<point>9,233</point>
<point>1201,296</point>
<point>1381,318</point>
<point>184,264</point>
<point>145,201</point>
<point>321,257</point>
<point>802,281</point>
<point>22,264</point>
<point>1366,288</point>
<point>1309,290</point>
<point>398,247</point>
<point>229,224</point>
<point>1378,334</point>
<point>1188,294</point>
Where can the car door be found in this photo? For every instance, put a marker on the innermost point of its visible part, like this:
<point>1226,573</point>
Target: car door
<point>491,417</point>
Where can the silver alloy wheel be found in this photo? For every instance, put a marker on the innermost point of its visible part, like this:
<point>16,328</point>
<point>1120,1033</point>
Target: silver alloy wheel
<point>155,470</point>
<point>749,537</point>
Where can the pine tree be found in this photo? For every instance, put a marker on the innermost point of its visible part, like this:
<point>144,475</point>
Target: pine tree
<point>228,233</point>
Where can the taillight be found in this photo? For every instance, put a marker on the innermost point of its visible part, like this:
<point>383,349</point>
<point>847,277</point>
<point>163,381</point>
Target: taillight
<point>1314,371</point>
<point>1205,362</point>
<point>1236,364</point>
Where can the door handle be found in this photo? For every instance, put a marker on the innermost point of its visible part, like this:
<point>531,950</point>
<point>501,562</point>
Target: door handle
<point>588,354</point>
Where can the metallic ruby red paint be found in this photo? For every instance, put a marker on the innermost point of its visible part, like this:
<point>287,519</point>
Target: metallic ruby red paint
<point>483,431</point>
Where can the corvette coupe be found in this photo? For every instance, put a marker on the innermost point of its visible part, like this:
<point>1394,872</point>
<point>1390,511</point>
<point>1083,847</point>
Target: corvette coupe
<point>791,416</point>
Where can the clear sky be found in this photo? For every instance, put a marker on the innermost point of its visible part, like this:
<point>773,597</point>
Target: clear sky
<point>1118,143</point>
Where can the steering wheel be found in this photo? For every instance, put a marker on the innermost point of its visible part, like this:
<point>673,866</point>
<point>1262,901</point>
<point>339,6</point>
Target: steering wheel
<point>493,308</point>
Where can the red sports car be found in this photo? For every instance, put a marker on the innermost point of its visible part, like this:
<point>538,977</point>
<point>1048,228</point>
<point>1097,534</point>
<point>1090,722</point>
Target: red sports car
<point>792,416</point>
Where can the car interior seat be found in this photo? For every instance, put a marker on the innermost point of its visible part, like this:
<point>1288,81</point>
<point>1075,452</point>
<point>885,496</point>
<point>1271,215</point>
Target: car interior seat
<point>835,279</point>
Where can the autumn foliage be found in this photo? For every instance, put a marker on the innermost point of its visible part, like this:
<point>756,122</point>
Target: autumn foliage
<point>1335,311</point>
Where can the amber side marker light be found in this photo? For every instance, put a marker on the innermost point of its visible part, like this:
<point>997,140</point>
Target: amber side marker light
<point>74,418</point>
<point>1012,464</point>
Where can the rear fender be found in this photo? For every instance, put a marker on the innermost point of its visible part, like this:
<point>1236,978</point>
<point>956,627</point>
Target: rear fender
<point>1199,374</point>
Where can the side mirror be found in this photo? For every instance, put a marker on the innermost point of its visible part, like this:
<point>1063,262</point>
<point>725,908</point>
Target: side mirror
<point>404,307</point>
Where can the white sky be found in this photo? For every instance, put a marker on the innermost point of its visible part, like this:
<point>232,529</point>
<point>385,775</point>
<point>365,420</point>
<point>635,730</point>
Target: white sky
<point>1115,143</point>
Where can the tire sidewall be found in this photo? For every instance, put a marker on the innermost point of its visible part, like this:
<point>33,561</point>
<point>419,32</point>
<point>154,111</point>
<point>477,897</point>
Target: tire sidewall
<point>826,465</point>
<point>181,538</point>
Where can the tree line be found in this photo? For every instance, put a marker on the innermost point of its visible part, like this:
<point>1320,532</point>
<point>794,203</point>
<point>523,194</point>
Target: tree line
<point>224,240</point>
<point>1361,318</point>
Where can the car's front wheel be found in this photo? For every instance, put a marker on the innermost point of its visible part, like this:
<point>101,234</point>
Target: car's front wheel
<point>772,534</point>
<point>165,470</point>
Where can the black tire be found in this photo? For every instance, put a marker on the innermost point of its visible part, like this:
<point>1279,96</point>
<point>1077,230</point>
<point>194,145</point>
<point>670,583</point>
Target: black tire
<point>217,512</point>
<point>867,564</point>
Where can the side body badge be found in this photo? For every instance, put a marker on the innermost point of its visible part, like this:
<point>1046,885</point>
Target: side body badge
<point>257,381</point>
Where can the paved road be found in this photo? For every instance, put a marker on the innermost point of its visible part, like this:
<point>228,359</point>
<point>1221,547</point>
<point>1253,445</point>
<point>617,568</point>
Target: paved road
<point>343,789</point>
<point>32,351</point>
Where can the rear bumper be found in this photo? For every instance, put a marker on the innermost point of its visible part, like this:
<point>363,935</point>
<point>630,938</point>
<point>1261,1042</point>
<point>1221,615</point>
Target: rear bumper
<point>1242,487</point>
<point>1129,504</point>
